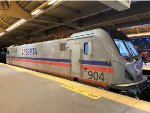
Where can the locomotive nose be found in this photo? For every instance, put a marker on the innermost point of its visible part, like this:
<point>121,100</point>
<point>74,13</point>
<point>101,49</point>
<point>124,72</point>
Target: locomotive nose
<point>135,70</point>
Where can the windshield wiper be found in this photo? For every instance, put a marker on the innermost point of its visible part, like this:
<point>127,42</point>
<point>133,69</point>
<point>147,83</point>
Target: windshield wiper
<point>133,54</point>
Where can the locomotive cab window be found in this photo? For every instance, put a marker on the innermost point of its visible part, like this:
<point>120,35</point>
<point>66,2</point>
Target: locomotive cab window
<point>121,47</point>
<point>62,46</point>
<point>86,48</point>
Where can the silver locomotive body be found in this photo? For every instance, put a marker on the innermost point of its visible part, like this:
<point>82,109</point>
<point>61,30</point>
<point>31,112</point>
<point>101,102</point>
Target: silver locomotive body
<point>93,56</point>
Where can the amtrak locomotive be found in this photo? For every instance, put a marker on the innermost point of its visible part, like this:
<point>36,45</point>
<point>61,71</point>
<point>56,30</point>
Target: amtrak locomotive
<point>104,58</point>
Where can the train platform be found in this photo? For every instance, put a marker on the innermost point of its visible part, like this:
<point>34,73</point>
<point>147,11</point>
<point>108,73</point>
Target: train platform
<point>26,91</point>
<point>146,66</point>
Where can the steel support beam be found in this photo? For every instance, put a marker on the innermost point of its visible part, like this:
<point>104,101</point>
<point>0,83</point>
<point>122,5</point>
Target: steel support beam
<point>45,7</point>
<point>69,9</point>
<point>35,24</point>
<point>2,29</point>
<point>5,4</point>
<point>15,11</point>
<point>48,19</point>
<point>114,15</point>
<point>110,16</point>
<point>3,22</point>
<point>143,21</point>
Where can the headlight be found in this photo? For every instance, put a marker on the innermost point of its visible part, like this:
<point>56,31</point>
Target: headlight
<point>128,75</point>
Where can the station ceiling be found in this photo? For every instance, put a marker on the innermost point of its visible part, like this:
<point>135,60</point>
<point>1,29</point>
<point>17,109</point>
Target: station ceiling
<point>77,15</point>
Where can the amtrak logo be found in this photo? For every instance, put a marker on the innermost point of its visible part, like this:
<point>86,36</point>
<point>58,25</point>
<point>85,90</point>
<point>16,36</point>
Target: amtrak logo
<point>136,69</point>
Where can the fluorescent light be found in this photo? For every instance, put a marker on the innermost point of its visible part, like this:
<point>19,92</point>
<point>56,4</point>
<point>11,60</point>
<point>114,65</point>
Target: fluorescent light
<point>52,2</point>
<point>139,34</point>
<point>15,25</point>
<point>36,12</point>
<point>2,33</point>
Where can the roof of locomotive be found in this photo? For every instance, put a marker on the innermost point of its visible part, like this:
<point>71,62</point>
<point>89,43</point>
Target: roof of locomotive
<point>112,33</point>
<point>75,35</point>
<point>85,33</point>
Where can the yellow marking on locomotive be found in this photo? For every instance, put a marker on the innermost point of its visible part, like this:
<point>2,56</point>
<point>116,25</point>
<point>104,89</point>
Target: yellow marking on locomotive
<point>89,90</point>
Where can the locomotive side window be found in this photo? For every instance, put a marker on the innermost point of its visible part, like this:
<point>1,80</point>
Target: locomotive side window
<point>86,48</point>
<point>62,46</point>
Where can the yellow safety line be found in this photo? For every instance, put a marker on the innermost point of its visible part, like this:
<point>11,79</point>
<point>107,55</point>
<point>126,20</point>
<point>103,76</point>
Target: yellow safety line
<point>90,91</point>
<point>146,67</point>
<point>83,92</point>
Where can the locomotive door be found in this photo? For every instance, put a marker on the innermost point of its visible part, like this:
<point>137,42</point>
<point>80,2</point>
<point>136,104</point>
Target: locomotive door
<point>75,58</point>
<point>8,57</point>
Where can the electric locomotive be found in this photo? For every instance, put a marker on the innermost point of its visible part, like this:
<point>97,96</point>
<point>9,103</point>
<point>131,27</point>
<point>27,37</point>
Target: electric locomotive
<point>104,58</point>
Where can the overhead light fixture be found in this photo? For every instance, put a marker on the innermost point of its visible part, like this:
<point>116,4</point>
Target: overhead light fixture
<point>36,12</point>
<point>2,33</point>
<point>15,25</point>
<point>139,34</point>
<point>52,2</point>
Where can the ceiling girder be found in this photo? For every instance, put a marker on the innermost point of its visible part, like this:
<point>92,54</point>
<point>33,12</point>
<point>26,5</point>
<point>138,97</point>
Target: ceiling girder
<point>22,30</point>
<point>137,18</point>
<point>144,9</point>
<point>3,22</point>
<point>5,4</point>
<point>35,24</point>
<point>133,23</point>
<point>70,9</point>
<point>49,19</point>
<point>45,7</point>
<point>15,11</point>
<point>110,18</point>
<point>2,30</point>
<point>113,16</point>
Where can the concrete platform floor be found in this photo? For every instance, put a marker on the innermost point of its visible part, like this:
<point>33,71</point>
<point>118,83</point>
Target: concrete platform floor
<point>26,91</point>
